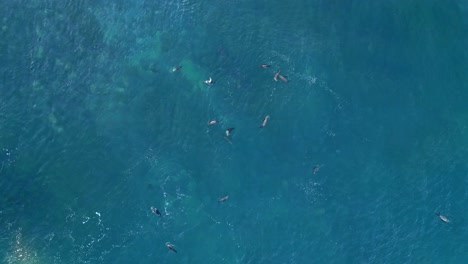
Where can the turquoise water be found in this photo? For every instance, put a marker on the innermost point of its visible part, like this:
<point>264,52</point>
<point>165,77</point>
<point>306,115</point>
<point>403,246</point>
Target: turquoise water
<point>96,128</point>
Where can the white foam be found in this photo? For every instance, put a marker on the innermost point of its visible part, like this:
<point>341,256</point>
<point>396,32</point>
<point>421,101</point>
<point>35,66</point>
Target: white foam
<point>99,217</point>
<point>86,220</point>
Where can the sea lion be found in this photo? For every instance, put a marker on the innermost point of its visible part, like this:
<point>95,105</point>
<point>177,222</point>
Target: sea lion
<point>209,81</point>
<point>228,131</point>
<point>316,169</point>
<point>276,76</point>
<point>176,68</point>
<point>222,199</point>
<point>265,121</point>
<point>156,211</point>
<point>443,218</point>
<point>283,78</point>
<point>171,247</point>
<point>264,66</point>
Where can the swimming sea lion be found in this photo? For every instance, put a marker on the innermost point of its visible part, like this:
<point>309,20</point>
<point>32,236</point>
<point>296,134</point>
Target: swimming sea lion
<point>443,218</point>
<point>209,81</point>
<point>176,68</point>
<point>283,78</point>
<point>264,66</point>
<point>276,76</point>
<point>222,199</point>
<point>316,168</point>
<point>156,211</point>
<point>212,122</point>
<point>171,247</point>
<point>228,131</point>
<point>265,121</point>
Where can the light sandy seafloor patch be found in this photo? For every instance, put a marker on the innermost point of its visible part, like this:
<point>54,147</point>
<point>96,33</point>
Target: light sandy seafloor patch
<point>194,74</point>
<point>148,49</point>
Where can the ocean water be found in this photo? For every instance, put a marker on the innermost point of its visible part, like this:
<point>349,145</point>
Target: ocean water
<point>95,128</point>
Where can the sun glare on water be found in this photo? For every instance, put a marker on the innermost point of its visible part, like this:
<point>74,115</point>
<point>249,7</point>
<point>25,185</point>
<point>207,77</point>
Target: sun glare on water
<point>20,252</point>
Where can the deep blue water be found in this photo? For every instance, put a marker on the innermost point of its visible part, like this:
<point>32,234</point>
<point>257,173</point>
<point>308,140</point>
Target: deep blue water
<point>95,128</point>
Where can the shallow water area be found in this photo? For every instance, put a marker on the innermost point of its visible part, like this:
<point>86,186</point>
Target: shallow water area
<point>97,128</point>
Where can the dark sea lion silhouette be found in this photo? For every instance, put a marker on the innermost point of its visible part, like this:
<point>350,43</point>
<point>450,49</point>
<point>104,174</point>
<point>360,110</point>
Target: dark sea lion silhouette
<point>156,211</point>
<point>171,247</point>
<point>228,131</point>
